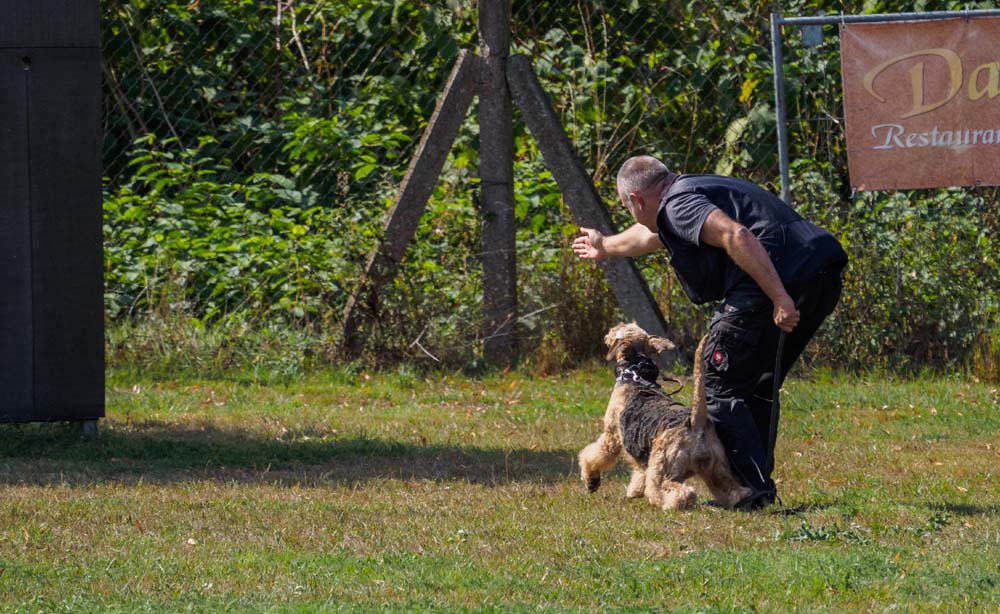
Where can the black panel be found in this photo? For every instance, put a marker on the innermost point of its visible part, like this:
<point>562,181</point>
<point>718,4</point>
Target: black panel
<point>64,127</point>
<point>15,243</point>
<point>49,23</point>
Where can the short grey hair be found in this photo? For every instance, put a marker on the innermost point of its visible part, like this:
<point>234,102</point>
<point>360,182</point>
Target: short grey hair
<point>640,173</point>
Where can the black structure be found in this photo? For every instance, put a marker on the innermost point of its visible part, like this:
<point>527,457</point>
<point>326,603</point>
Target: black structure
<point>51,269</point>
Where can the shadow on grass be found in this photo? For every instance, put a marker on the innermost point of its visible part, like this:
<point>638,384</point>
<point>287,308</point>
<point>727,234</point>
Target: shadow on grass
<point>57,454</point>
<point>966,509</point>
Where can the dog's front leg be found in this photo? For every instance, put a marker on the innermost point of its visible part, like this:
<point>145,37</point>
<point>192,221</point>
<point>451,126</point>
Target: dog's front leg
<point>637,486</point>
<point>597,458</point>
<point>667,494</point>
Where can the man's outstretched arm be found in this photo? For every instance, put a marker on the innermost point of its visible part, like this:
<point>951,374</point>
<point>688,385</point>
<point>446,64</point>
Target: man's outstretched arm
<point>636,240</point>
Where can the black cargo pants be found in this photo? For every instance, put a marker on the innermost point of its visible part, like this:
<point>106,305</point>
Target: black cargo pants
<point>738,363</point>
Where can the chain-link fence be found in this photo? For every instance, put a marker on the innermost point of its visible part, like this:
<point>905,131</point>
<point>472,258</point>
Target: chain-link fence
<point>252,149</point>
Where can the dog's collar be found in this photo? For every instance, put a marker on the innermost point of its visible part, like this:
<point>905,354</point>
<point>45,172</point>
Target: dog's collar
<point>642,372</point>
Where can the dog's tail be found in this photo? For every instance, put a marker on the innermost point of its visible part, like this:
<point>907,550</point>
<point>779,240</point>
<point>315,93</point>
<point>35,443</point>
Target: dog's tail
<point>699,406</point>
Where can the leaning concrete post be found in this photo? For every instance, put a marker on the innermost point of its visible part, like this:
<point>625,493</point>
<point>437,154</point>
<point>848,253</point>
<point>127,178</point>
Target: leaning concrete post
<point>418,184</point>
<point>626,281</point>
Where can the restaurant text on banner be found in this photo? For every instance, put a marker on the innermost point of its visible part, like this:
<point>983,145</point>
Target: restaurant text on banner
<point>922,103</point>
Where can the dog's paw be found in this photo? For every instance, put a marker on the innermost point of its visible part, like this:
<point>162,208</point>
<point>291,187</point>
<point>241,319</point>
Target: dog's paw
<point>593,483</point>
<point>681,498</point>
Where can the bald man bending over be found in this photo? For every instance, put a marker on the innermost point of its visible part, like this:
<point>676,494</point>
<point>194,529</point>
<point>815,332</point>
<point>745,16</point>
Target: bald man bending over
<point>732,241</point>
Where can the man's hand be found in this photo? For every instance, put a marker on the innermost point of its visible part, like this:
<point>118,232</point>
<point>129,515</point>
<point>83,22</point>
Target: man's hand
<point>590,245</point>
<point>786,316</point>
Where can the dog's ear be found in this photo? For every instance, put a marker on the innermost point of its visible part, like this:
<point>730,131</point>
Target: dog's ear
<point>661,344</point>
<point>614,340</point>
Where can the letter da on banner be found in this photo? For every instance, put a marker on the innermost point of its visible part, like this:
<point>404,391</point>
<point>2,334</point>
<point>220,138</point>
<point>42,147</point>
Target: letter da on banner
<point>955,79</point>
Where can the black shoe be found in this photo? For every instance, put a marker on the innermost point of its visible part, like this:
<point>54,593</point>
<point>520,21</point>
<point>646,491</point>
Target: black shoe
<point>756,501</point>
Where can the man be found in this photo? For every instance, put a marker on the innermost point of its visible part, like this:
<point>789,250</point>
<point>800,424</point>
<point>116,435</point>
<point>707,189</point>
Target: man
<point>733,241</point>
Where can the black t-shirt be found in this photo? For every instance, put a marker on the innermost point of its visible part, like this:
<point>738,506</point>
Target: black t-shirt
<point>797,248</point>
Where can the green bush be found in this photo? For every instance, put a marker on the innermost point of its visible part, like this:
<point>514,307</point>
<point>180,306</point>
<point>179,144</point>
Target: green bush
<point>250,163</point>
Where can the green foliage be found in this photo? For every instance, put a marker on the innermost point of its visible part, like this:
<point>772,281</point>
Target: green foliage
<point>921,289</point>
<point>252,150</point>
<point>833,533</point>
<point>177,239</point>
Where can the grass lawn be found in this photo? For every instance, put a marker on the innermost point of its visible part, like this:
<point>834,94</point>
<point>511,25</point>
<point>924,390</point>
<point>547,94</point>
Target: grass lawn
<point>399,492</point>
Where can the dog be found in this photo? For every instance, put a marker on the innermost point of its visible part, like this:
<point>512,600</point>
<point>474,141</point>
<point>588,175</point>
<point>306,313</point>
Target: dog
<point>664,442</point>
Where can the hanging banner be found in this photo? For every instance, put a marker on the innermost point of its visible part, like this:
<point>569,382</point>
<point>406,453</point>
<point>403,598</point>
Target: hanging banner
<point>922,103</point>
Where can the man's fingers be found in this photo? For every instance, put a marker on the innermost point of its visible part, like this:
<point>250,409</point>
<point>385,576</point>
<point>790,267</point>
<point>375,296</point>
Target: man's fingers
<point>582,247</point>
<point>586,245</point>
<point>786,320</point>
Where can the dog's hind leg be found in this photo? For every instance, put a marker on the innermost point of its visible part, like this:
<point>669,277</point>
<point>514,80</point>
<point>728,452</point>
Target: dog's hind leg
<point>716,474</point>
<point>726,490</point>
<point>597,458</point>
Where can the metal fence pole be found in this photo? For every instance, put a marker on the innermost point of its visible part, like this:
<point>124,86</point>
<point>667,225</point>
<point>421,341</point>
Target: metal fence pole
<point>779,106</point>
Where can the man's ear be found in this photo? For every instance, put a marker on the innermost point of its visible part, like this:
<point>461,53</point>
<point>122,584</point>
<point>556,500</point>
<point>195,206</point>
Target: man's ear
<point>637,200</point>
<point>661,344</point>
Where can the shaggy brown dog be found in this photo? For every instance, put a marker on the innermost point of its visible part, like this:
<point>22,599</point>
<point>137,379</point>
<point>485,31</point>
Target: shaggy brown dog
<point>664,442</point>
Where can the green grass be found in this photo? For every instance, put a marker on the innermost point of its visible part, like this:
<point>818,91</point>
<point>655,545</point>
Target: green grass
<point>347,492</point>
